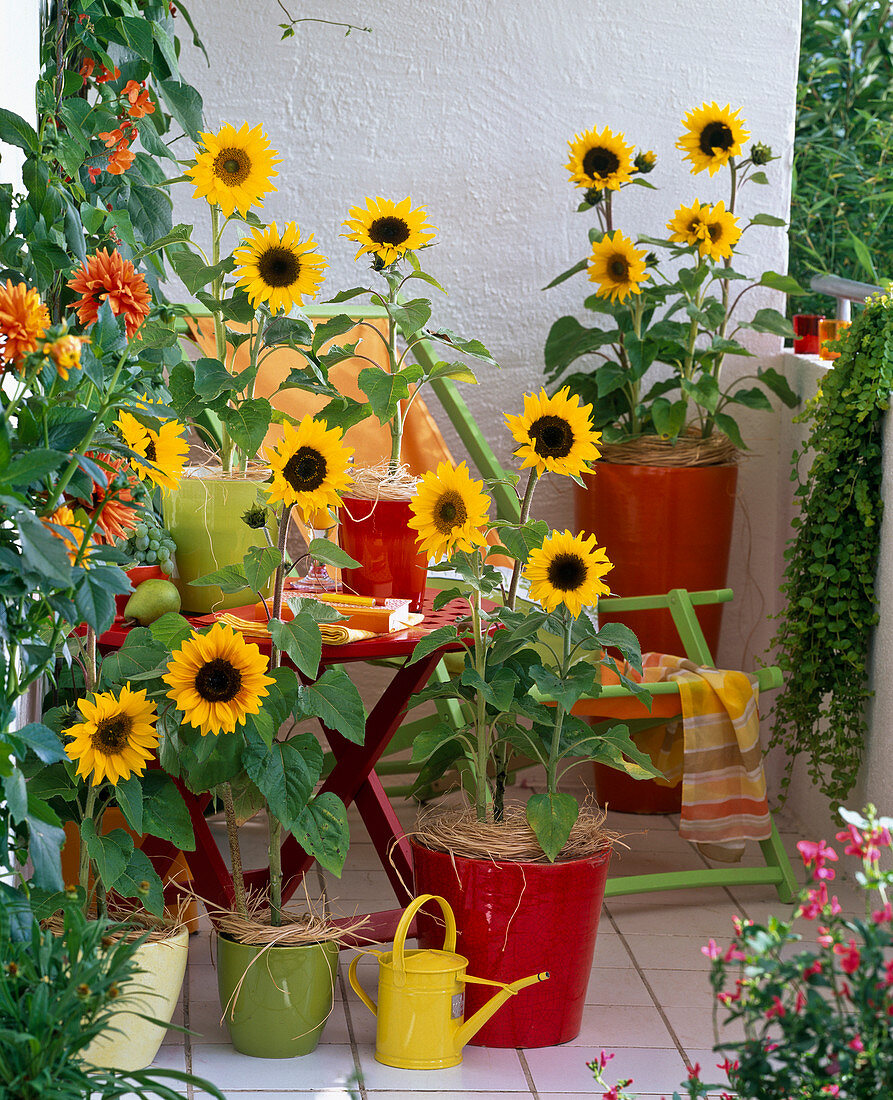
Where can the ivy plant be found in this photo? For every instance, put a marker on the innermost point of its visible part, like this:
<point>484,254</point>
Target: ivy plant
<point>826,627</point>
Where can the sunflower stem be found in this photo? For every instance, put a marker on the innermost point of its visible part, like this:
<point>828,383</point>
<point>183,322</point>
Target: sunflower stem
<point>396,424</point>
<point>481,788</point>
<point>275,870</point>
<point>235,852</point>
<point>525,512</point>
<point>279,580</point>
<point>552,768</point>
<point>83,855</point>
<point>226,444</point>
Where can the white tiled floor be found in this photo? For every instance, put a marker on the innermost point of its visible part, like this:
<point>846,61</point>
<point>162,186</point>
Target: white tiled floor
<point>649,997</point>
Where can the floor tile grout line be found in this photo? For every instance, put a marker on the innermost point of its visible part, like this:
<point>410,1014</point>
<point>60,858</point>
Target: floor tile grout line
<point>187,1038</point>
<point>651,993</point>
<point>527,1074</point>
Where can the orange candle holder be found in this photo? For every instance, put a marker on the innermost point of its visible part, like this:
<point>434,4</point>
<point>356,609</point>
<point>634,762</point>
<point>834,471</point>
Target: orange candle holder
<point>829,331</point>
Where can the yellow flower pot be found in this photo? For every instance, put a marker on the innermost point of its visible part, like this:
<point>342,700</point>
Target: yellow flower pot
<point>131,1043</point>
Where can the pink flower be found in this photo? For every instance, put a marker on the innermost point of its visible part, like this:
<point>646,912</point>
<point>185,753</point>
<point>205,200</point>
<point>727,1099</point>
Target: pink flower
<point>817,853</point>
<point>856,1044</point>
<point>883,916</point>
<point>800,1003</point>
<point>711,949</point>
<point>778,1009</point>
<point>831,1090</point>
<point>813,968</point>
<point>727,1066</point>
<point>740,923</point>
<point>734,954</point>
<point>824,938</point>
<point>867,845</point>
<point>849,956</point>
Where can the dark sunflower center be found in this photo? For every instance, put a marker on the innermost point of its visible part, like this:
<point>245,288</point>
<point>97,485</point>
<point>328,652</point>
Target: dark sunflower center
<point>151,453</point>
<point>600,162</point>
<point>218,681</point>
<point>567,572</point>
<point>113,734</point>
<point>449,512</point>
<point>305,470</point>
<point>232,166</point>
<point>389,230</point>
<point>552,437</point>
<point>715,135</point>
<point>279,266</point>
<point>715,231</point>
<point>618,269</point>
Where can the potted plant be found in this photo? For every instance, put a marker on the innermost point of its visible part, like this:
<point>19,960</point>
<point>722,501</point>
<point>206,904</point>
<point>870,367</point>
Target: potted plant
<point>671,440</point>
<point>526,882</point>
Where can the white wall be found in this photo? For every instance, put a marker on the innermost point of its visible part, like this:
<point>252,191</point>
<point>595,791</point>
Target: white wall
<point>19,66</point>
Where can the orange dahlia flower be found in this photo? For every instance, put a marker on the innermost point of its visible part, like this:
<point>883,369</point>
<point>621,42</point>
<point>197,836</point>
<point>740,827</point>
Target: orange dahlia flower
<point>23,320</point>
<point>117,513</point>
<point>65,353</point>
<point>107,275</point>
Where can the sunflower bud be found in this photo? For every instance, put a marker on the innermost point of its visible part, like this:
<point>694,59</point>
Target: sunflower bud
<point>651,259</point>
<point>592,196</point>
<point>760,153</point>
<point>12,969</point>
<point>113,992</point>
<point>255,517</point>
<point>645,161</point>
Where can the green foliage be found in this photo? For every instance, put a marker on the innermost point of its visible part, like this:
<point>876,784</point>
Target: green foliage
<point>842,201</point>
<point>825,630</point>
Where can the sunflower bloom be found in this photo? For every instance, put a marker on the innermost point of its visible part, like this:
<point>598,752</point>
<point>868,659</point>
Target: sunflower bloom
<point>568,569</point>
<point>279,270</point>
<point>63,524</point>
<point>555,434</point>
<point>712,136</point>
<point>23,321</point>
<point>600,160</point>
<point>722,234</point>
<point>116,738</point>
<point>388,229</point>
<point>216,679</point>
<point>165,450</point>
<point>617,266</point>
<point>235,168</point>
<point>449,511</point>
<point>309,465</point>
<point>65,353</point>
<point>108,276</point>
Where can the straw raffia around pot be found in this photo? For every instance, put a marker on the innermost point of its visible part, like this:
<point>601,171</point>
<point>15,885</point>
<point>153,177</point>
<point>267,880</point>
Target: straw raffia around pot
<point>139,920</point>
<point>456,830</point>
<point>689,450</point>
<point>380,483</point>
<point>297,928</point>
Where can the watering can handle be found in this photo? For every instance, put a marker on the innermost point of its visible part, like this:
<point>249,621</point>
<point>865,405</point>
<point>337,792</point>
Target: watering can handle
<point>358,989</point>
<point>449,938</point>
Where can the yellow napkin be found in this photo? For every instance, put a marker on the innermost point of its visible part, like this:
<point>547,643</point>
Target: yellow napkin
<point>332,633</point>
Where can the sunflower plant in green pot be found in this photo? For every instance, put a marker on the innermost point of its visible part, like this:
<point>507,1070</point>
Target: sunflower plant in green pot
<point>531,651</point>
<point>666,312</point>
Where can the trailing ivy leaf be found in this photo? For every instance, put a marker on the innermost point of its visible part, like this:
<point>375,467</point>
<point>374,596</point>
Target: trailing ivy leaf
<point>552,816</point>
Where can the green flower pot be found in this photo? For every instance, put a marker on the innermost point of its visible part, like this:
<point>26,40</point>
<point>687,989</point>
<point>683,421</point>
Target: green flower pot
<point>204,517</point>
<point>285,997</point>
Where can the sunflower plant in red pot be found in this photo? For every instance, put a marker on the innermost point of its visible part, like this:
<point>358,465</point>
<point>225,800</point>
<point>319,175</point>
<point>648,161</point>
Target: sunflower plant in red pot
<point>667,312</point>
<point>525,881</point>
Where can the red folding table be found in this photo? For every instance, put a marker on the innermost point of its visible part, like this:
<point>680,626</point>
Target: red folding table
<point>352,777</point>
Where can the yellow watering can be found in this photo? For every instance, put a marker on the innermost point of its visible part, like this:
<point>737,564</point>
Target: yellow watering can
<point>421,998</point>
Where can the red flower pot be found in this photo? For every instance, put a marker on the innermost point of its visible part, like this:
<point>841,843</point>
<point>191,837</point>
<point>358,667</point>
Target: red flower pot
<point>136,575</point>
<point>516,919</point>
<point>377,535</point>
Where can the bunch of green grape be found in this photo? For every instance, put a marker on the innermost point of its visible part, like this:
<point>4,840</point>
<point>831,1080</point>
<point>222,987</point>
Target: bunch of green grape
<point>151,544</point>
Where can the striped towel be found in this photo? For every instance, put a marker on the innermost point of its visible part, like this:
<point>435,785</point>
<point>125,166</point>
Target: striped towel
<point>721,763</point>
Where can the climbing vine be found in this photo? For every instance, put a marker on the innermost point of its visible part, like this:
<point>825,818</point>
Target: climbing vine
<point>825,632</point>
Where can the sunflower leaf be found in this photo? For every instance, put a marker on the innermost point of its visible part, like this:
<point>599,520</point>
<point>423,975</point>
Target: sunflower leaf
<point>521,540</point>
<point>288,330</point>
<point>259,564</point>
<point>248,423</point>
<point>384,390</point>
<point>330,330</point>
<point>346,295</point>
<point>212,378</point>
<point>458,372</point>
<point>470,347</point>
<point>443,636</point>
<point>329,553</point>
<point>580,266</point>
<point>552,816</point>
<point>411,316</point>
<point>301,640</point>
<point>335,700</point>
<point>129,797</point>
<point>229,579</point>
<point>285,773</point>
<point>139,879</point>
<point>582,680</point>
<point>108,852</point>
<point>323,831</point>
<point>185,104</point>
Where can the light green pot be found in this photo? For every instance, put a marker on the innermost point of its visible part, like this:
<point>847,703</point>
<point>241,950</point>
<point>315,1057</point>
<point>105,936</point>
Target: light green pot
<point>204,517</point>
<point>285,995</point>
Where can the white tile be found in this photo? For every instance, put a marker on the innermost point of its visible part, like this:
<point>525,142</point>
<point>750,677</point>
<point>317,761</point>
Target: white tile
<point>608,1026</point>
<point>609,949</point>
<point>482,1070</point>
<point>617,986</point>
<point>171,1057</point>
<point>321,1093</point>
<point>652,1070</point>
<point>694,1027</point>
<point>709,915</point>
<point>681,988</point>
<point>329,1066</point>
<point>202,983</point>
<point>449,1094</point>
<point>667,952</point>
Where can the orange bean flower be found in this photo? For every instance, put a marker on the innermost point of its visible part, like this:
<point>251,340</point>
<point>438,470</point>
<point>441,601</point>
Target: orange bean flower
<point>107,276</point>
<point>140,102</point>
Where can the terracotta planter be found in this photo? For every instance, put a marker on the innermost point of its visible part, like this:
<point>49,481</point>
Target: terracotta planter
<point>276,1000</point>
<point>204,517</point>
<point>376,534</point>
<point>663,527</point>
<point>131,1043</point>
<point>515,919</point>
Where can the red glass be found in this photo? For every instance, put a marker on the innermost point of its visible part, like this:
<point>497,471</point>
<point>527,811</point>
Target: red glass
<point>513,920</point>
<point>806,329</point>
<point>376,534</point>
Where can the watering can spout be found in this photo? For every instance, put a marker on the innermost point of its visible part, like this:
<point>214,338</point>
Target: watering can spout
<point>472,1026</point>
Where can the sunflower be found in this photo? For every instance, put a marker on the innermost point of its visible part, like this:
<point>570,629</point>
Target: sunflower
<point>117,512</point>
<point>108,276</point>
<point>23,321</point>
<point>281,271</point>
<point>63,524</point>
<point>555,434</point>
<point>388,229</point>
<point>309,465</point>
<point>116,738</point>
<point>617,266</point>
<point>235,168</point>
<point>216,679</point>
<point>567,569</point>
<point>688,225</point>
<point>166,449</point>
<point>722,234</point>
<point>448,511</point>
<point>600,160</point>
<point>713,135</point>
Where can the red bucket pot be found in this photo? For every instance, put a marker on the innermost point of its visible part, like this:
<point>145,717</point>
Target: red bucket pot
<point>376,533</point>
<point>515,919</point>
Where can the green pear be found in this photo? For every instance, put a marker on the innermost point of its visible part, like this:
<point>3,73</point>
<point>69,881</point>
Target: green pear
<point>150,600</point>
